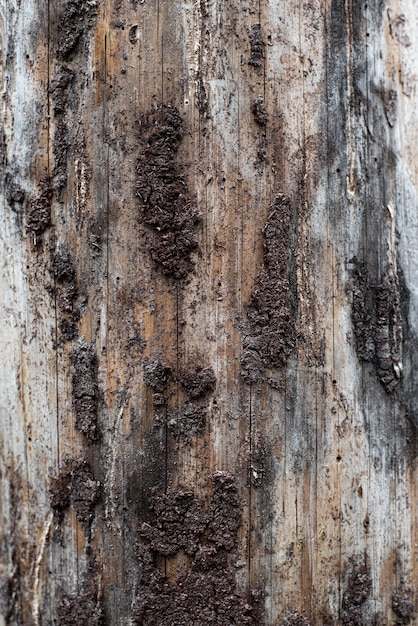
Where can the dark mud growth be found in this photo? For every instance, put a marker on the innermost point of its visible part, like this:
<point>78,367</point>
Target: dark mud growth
<point>198,382</point>
<point>179,522</point>
<point>6,596</point>
<point>59,88</point>
<point>402,607</point>
<point>66,291</point>
<point>82,610</point>
<point>270,335</point>
<point>60,146</point>
<point>187,421</point>
<point>85,389</point>
<point>257,46</point>
<point>377,322</point>
<point>14,193</point>
<point>75,486</point>
<point>39,217</point>
<point>207,594</point>
<point>357,591</point>
<point>166,207</point>
<point>295,619</point>
<point>78,16</point>
<point>157,375</point>
<point>259,111</point>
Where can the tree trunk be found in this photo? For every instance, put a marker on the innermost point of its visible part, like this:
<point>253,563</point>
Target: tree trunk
<point>209,259</point>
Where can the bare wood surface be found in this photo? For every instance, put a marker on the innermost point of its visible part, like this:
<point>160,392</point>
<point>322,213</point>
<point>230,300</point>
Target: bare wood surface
<point>190,404</point>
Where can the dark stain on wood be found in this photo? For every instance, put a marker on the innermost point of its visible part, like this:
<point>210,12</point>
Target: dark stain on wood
<point>85,389</point>
<point>271,322</point>
<point>163,192</point>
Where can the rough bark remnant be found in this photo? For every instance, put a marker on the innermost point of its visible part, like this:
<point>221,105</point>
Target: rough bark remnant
<point>163,192</point>
<point>85,389</point>
<point>271,325</point>
<point>75,486</point>
<point>207,594</point>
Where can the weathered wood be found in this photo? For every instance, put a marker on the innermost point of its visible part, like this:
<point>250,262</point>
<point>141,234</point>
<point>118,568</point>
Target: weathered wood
<point>208,321</point>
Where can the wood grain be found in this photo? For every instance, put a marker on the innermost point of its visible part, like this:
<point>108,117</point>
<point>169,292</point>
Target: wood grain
<point>314,103</point>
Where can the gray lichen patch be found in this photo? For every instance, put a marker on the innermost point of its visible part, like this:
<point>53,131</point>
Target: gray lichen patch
<point>85,388</point>
<point>75,486</point>
<point>166,206</point>
<point>270,334</point>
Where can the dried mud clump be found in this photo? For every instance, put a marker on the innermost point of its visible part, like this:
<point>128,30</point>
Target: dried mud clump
<point>187,421</point>
<point>376,317</point>
<point>39,217</point>
<point>179,522</point>
<point>6,596</point>
<point>198,382</point>
<point>224,511</point>
<point>402,607</point>
<point>162,189</point>
<point>66,290</point>
<point>207,593</point>
<point>259,111</point>
<point>157,375</point>
<point>85,389</point>
<point>295,619</point>
<point>60,147</point>
<point>357,591</point>
<point>257,46</point>
<point>84,610</point>
<point>77,17</point>
<point>75,486</point>
<point>271,326</point>
<point>59,88</point>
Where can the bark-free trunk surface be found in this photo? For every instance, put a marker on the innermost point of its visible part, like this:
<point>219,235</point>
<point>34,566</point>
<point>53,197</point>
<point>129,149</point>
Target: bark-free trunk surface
<point>209,265</point>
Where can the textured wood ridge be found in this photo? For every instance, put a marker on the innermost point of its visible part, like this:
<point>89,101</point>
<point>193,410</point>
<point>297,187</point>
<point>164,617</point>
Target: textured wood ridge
<point>209,312</point>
